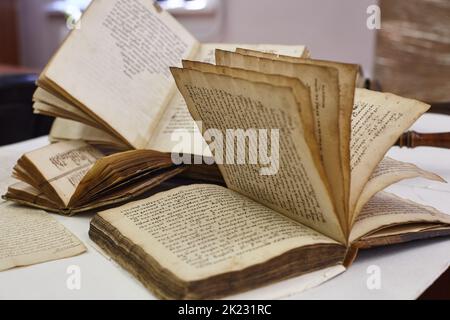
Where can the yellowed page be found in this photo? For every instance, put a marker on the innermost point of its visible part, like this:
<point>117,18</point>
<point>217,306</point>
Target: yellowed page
<point>52,111</point>
<point>174,128</point>
<point>206,52</point>
<point>386,210</point>
<point>347,74</point>
<point>32,236</point>
<point>378,120</point>
<point>47,102</point>
<point>9,158</point>
<point>323,83</point>
<point>117,65</point>
<point>300,91</point>
<point>177,120</point>
<point>388,172</point>
<point>293,184</point>
<point>25,194</point>
<point>216,230</point>
<point>405,229</point>
<point>64,164</point>
<point>64,129</point>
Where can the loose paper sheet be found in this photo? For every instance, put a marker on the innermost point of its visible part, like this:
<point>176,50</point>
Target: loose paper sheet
<point>30,236</point>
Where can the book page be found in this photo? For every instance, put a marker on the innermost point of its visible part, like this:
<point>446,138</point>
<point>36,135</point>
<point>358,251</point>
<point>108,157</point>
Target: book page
<point>63,165</point>
<point>378,121</point>
<point>206,52</point>
<point>177,132</point>
<point>177,120</point>
<point>388,172</point>
<point>47,103</point>
<point>203,230</point>
<point>284,173</point>
<point>63,130</point>
<point>52,111</point>
<point>299,90</point>
<point>398,230</point>
<point>116,65</point>
<point>347,74</point>
<point>387,210</point>
<point>30,236</point>
<point>323,83</point>
<point>27,195</point>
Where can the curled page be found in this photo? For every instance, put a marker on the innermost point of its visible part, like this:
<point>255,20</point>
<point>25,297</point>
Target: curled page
<point>297,184</point>
<point>378,120</point>
<point>57,169</point>
<point>388,172</point>
<point>386,210</point>
<point>63,130</point>
<point>323,85</point>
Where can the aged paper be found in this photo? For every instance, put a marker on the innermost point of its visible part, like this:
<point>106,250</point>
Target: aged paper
<point>7,165</point>
<point>323,84</point>
<point>299,90</point>
<point>203,230</point>
<point>206,51</point>
<point>347,74</point>
<point>123,48</point>
<point>30,195</point>
<point>298,188</point>
<point>51,105</point>
<point>388,172</point>
<point>177,131</point>
<point>63,130</point>
<point>32,236</point>
<point>177,121</point>
<point>62,166</point>
<point>387,210</point>
<point>378,120</point>
<point>52,111</point>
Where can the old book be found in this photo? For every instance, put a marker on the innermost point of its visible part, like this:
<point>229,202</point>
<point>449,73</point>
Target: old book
<point>313,198</point>
<point>72,177</point>
<point>118,97</point>
<point>122,93</point>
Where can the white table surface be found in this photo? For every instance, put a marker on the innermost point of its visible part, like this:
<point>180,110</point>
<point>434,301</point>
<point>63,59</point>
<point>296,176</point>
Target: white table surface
<point>406,270</point>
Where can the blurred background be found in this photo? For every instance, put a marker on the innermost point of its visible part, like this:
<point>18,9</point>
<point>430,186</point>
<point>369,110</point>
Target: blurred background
<point>409,55</point>
<point>332,29</point>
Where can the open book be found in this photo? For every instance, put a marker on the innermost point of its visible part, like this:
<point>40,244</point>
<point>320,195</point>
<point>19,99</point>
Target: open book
<point>322,202</point>
<point>110,85</point>
<point>111,82</point>
<point>72,177</point>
